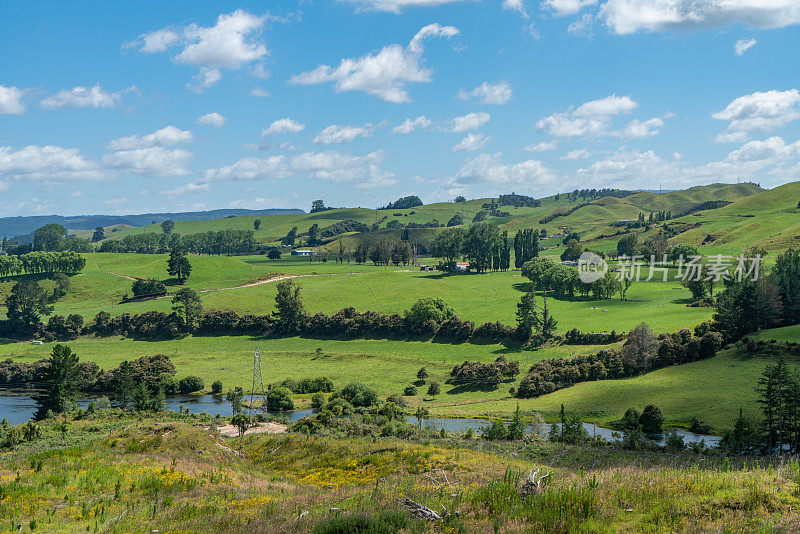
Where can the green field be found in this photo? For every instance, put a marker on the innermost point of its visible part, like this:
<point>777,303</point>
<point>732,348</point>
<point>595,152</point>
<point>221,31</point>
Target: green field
<point>329,287</point>
<point>711,390</point>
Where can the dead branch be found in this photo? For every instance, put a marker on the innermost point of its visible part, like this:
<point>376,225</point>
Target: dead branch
<point>532,483</point>
<point>420,511</point>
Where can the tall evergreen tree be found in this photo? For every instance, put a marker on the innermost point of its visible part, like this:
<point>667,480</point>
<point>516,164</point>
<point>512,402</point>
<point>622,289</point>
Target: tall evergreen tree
<point>289,314</point>
<point>178,264</point>
<point>124,384</point>
<point>519,260</point>
<point>505,252</point>
<point>188,305</point>
<point>63,375</point>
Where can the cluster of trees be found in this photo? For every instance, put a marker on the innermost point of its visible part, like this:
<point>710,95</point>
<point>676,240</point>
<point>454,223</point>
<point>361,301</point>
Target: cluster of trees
<point>778,391</point>
<point>576,337</point>
<point>148,287</point>
<point>384,252</point>
<point>526,246</point>
<point>54,238</point>
<point>655,246</point>
<point>65,262</point>
<point>642,352</point>
<point>228,242</point>
<point>321,384</point>
<point>27,302</point>
<point>519,201</point>
<point>479,374</point>
<point>481,244</point>
<point>747,306</point>
<point>564,282</point>
<point>650,421</point>
<point>593,194</point>
<point>411,201</point>
<point>562,212</point>
<point>137,383</point>
<point>318,206</point>
<point>427,319</point>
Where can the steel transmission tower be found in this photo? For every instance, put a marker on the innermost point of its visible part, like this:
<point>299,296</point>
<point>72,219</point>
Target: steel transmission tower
<point>258,384</point>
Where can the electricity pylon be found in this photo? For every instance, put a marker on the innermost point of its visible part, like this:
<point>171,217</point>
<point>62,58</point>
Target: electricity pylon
<point>258,382</point>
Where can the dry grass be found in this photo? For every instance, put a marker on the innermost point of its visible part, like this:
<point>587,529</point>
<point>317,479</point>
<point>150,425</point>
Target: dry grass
<point>174,476</point>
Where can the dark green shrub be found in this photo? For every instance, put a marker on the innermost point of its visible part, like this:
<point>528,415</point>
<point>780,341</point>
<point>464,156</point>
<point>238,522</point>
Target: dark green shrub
<point>410,391</point>
<point>317,401</point>
<point>148,287</point>
<point>358,394</point>
<point>651,419</point>
<point>216,387</point>
<point>190,384</point>
<point>280,398</point>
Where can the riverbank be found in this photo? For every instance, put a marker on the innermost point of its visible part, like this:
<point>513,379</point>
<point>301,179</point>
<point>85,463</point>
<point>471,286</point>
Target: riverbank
<point>17,405</point>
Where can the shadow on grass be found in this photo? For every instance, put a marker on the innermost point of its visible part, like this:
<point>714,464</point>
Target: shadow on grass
<point>472,388</point>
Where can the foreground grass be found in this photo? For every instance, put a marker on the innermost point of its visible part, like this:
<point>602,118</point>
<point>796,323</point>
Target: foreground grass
<point>176,476</point>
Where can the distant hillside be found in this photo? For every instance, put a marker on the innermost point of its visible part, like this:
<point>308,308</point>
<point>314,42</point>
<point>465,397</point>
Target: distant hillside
<point>593,219</point>
<point>768,219</point>
<point>14,226</point>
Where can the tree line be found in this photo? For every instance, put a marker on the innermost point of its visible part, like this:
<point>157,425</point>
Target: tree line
<point>481,244</point>
<point>66,262</point>
<point>228,242</point>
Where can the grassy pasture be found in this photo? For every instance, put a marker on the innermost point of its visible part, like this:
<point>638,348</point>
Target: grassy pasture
<point>329,287</point>
<point>386,365</point>
<point>712,390</point>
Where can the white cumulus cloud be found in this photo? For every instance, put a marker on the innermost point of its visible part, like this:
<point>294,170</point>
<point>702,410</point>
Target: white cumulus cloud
<point>151,161</point>
<point>384,74</point>
<point>165,137</point>
<point>212,119</point>
<point>567,7</point>
<point>82,97</point>
<point>337,135</point>
<point>231,43</point>
<point>542,146</point>
<point>743,45</point>
<point>46,162</point>
<point>516,5</point>
<point>629,16</point>
<point>591,118</point>
<point>471,142</point>
<point>468,122</point>
<point>396,6</point>
<point>488,168</point>
<point>331,166</point>
<point>409,125</point>
<point>579,153</point>
<point>11,100</point>
<point>637,129</point>
<point>487,93</point>
<point>762,111</point>
<point>286,125</point>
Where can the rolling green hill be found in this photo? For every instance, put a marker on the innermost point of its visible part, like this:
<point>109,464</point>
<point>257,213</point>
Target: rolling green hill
<point>591,219</point>
<point>768,219</point>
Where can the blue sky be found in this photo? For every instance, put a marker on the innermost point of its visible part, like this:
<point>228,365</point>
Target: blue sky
<point>168,106</point>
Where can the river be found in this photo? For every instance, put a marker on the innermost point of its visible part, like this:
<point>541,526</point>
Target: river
<point>18,406</point>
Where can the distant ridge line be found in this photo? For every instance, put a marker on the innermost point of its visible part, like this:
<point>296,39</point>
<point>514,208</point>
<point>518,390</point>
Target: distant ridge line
<point>20,225</point>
